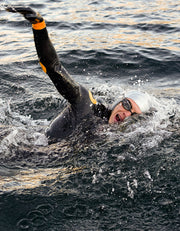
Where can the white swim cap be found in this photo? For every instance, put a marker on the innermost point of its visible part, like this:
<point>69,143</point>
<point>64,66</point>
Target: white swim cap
<point>143,100</point>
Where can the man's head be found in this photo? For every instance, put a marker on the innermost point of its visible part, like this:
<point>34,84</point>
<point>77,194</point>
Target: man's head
<point>135,102</point>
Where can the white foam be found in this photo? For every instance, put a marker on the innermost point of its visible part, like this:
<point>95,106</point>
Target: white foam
<point>151,128</point>
<point>21,130</point>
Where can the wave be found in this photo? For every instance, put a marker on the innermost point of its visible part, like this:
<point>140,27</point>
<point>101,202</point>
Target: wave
<point>158,28</point>
<point>21,134</point>
<point>123,62</point>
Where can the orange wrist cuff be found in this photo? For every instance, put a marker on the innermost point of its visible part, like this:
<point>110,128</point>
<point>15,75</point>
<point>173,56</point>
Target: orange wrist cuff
<point>39,25</point>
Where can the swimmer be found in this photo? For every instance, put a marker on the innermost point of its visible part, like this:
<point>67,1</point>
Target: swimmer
<point>82,104</point>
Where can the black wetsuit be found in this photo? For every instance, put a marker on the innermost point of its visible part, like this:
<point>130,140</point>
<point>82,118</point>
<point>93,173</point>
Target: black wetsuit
<point>81,106</point>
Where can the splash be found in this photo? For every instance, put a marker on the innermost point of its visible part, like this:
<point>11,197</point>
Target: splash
<point>149,129</point>
<point>19,130</point>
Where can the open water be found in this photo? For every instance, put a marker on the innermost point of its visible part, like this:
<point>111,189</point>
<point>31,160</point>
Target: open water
<point>121,177</point>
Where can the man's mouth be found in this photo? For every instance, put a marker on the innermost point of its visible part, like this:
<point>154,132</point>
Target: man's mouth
<point>118,118</point>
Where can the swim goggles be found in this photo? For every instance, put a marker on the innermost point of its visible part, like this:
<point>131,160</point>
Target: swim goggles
<point>127,105</point>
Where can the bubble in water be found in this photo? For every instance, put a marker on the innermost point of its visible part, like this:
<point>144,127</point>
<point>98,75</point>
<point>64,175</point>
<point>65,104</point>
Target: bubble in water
<point>130,191</point>
<point>147,175</point>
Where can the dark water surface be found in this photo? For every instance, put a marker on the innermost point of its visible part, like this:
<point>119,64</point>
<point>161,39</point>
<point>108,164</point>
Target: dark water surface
<point>123,177</point>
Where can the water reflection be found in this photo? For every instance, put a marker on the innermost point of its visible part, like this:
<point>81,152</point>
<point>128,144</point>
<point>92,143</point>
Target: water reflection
<point>22,180</point>
<point>104,25</point>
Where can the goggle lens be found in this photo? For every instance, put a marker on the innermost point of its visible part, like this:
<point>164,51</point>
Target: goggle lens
<point>126,104</point>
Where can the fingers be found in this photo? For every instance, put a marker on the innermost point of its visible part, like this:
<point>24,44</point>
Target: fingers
<point>20,9</point>
<point>27,12</point>
<point>10,9</point>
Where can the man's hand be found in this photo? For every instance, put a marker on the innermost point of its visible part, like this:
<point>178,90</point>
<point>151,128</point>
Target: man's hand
<point>27,12</point>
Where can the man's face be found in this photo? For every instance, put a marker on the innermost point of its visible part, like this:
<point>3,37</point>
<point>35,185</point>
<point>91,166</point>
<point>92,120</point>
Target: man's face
<point>120,113</point>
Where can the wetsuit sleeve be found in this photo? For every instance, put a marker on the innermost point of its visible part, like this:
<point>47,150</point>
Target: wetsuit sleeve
<point>51,64</point>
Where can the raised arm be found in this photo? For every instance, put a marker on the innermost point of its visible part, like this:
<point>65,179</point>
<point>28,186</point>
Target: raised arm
<point>48,58</point>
